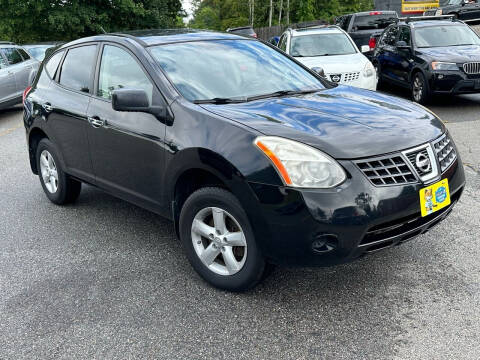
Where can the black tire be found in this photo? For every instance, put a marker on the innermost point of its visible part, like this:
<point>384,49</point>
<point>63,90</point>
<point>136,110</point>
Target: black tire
<point>420,89</point>
<point>68,189</point>
<point>254,267</point>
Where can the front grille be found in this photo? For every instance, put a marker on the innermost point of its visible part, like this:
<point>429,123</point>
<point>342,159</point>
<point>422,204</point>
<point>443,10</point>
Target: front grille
<point>412,157</point>
<point>445,151</point>
<point>386,170</point>
<point>472,68</point>
<point>348,77</point>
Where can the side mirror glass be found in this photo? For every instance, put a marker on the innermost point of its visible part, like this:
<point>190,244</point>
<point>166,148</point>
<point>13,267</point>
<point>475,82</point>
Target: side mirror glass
<point>136,100</point>
<point>319,71</point>
<point>365,48</point>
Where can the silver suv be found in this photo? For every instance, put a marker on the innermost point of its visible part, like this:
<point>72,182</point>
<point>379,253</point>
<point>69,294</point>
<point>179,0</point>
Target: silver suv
<point>17,71</point>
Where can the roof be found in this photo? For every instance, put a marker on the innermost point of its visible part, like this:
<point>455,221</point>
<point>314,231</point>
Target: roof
<point>165,36</point>
<point>316,30</point>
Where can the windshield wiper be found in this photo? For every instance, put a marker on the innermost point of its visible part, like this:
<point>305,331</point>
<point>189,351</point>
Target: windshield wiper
<point>282,93</point>
<point>218,101</point>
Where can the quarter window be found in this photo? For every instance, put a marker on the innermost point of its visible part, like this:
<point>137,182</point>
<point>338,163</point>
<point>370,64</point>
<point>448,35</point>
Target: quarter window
<point>13,56</point>
<point>24,54</point>
<point>282,44</point>
<point>52,64</point>
<point>78,67</point>
<point>119,70</point>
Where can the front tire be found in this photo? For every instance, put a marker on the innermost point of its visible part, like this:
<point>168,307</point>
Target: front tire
<point>420,88</point>
<point>219,241</point>
<point>58,186</point>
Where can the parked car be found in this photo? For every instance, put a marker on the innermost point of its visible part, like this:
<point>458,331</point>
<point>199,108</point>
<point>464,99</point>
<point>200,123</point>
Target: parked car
<point>17,71</point>
<point>244,30</point>
<point>38,51</point>
<point>331,51</point>
<point>274,40</point>
<point>466,10</point>
<point>255,158</point>
<point>430,57</point>
<point>361,26</point>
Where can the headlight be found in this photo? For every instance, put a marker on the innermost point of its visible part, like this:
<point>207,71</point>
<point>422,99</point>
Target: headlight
<point>438,12</point>
<point>368,70</point>
<point>300,165</point>
<point>436,65</point>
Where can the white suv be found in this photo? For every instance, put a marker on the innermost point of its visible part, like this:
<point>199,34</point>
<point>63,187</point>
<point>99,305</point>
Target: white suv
<point>331,49</point>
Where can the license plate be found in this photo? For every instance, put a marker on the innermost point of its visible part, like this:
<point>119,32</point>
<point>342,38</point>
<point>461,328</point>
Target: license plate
<point>434,197</point>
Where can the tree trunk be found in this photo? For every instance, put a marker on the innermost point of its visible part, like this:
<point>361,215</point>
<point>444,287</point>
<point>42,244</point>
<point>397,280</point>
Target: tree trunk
<point>280,13</point>
<point>288,12</point>
<point>271,13</point>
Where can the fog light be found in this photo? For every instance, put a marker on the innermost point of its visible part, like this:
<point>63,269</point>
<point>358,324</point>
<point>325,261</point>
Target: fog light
<point>325,243</point>
<point>440,76</point>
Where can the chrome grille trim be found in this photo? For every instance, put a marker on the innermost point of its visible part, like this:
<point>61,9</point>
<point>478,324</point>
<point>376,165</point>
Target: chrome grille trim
<point>424,176</point>
<point>445,151</point>
<point>472,68</point>
<point>387,170</point>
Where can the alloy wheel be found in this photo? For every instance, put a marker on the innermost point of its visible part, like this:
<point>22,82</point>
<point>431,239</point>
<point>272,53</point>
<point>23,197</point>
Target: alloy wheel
<point>417,88</point>
<point>48,170</point>
<point>219,241</point>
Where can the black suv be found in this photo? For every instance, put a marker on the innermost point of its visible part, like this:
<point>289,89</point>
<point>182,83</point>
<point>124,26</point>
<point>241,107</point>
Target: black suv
<point>466,10</point>
<point>434,56</point>
<point>256,158</point>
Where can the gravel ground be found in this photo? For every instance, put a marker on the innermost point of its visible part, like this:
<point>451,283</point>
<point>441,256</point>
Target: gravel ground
<point>105,279</point>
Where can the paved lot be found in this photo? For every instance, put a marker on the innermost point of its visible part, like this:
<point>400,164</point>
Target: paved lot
<point>105,279</point>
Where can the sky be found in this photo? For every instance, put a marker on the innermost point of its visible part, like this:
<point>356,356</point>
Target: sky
<point>187,6</point>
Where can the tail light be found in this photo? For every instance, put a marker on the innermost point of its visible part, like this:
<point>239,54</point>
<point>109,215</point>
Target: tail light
<point>372,43</point>
<point>25,94</point>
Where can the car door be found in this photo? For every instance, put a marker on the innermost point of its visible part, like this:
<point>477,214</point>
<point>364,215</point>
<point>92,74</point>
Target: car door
<point>468,11</point>
<point>7,80</point>
<point>386,55</point>
<point>15,61</point>
<point>127,147</point>
<point>29,69</point>
<point>65,107</point>
<point>402,58</point>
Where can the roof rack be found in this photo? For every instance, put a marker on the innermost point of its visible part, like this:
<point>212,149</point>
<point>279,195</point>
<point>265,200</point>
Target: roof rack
<point>423,18</point>
<point>7,42</point>
<point>308,27</point>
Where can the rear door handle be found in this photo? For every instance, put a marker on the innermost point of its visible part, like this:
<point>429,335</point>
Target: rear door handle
<point>48,107</point>
<point>96,122</point>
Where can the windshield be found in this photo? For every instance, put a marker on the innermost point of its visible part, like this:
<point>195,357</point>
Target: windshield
<point>321,45</point>
<point>436,36</point>
<point>231,69</point>
<point>37,52</point>
<point>369,22</point>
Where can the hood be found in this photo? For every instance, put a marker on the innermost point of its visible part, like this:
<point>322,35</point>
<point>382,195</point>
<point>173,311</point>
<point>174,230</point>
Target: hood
<point>458,54</point>
<point>343,121</point>
<point>336,63</point>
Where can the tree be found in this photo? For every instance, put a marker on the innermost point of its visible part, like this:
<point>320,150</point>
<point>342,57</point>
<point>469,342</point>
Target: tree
<point>48,20</point>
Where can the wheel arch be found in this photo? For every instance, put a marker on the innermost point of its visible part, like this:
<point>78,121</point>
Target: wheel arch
<point>34,138</point>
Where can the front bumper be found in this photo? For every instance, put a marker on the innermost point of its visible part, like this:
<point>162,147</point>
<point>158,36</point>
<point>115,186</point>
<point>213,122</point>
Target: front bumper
<point>327,227</point>
<point>454,82</point>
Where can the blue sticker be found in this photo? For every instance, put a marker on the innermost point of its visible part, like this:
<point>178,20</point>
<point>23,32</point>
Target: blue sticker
<point>441,194</point>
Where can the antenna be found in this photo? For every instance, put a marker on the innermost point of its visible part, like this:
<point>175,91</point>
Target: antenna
<point>103,30</point>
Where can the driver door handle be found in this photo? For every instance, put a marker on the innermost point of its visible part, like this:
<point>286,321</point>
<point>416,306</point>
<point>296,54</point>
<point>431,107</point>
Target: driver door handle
<point>96,122</point>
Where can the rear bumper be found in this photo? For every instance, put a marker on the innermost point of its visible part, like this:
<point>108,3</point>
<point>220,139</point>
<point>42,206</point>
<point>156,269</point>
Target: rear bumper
<point>322,228</point>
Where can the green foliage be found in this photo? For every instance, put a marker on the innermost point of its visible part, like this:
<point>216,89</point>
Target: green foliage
<point>230,13</point>
<point>47,20</point>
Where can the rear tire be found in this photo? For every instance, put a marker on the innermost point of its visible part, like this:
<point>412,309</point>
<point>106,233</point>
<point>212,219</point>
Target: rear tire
<point>58,186</point>
<point>219,241</point>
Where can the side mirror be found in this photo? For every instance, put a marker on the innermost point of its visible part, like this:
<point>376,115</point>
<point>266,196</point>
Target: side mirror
<point>136,100</point>
<point>402,45</point>
<point>319,71</point>
<point>465,2</point>
<point>365,48</point>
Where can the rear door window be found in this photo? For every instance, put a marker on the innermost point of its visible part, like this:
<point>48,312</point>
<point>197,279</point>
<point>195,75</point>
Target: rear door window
<point>12,55</point>
<point>78,68</point>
